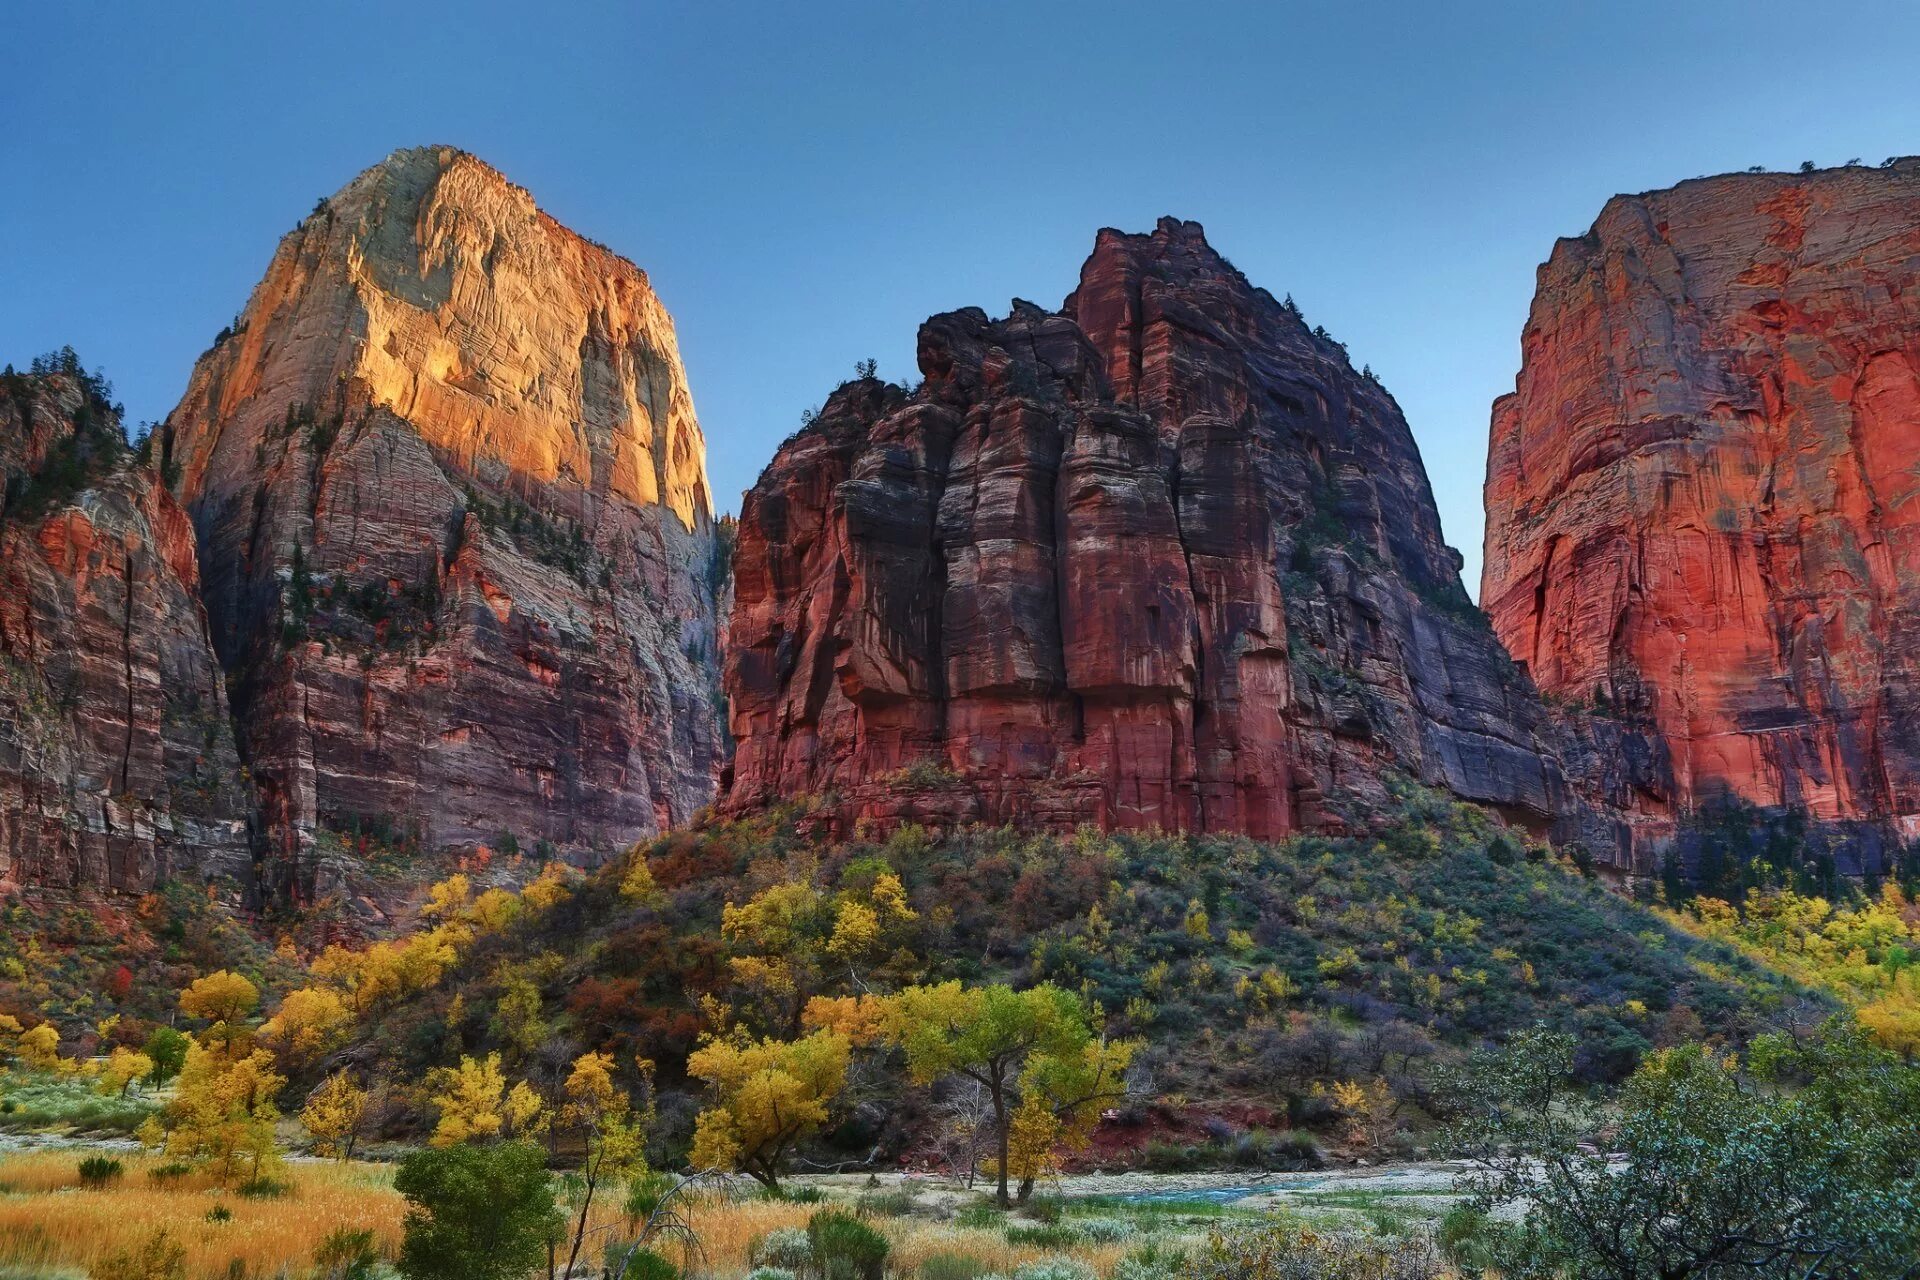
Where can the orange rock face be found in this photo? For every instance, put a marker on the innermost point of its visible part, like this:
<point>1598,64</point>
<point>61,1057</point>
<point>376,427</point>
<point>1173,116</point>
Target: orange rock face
<point>1703,496</point>
<point>117,761</point>
<point>454,529</point>
<point>1161,558</point>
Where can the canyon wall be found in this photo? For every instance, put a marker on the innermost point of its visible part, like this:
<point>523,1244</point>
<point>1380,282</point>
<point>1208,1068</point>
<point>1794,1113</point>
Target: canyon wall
<point>1162,557</point>
<point>455,533</point>
<point>117,762</point>
<point>1703,497</point>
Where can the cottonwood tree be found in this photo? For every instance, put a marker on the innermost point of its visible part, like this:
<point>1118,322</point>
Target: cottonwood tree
<point>768,1096</point>
<point>1033,1051</point>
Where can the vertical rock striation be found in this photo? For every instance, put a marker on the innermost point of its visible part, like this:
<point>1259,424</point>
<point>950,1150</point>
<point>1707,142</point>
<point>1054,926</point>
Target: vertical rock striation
<point>117,761</point>
<point>1703,497</point>
<point>1162,557</point>
<point>454,526</point>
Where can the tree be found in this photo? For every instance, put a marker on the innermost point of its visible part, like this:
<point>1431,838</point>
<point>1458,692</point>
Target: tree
<point>221,999</point>
<point>475,1104</point>
<point>124,1066</point>
<point>769,1094</point>
<point>308,1023</point>
<point>168,1050</point>
<point>600,1115</point>
<point>223,1112</point>
<point>1016,1044</point>
<point>1805,1163</point>
<point>333,1114</point>
<point>39,1047</point>
<point>476,1213</point>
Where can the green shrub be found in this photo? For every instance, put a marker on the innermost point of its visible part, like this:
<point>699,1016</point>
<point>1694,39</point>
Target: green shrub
<point>771,1273</point>
<point>219,1214</point>
<point>100,1171</point>
<point>346,1254</point>
<point>1106,1230</point>
<point>158,1257</point>
<point>476,1213</point>
<point>845,1248</point>
<point>264,1189</point>
<point>645,1264</point>
<point>1044,1235</point>
<point>983,1214</point>
<point>169,1173</point>
<point>951,1266</point>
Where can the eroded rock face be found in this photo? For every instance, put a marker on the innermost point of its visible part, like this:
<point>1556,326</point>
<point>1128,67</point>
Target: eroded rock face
<point>454,525</point>
<point>1160,558</point>
<point>1701,496</point>
<point>117,761</point>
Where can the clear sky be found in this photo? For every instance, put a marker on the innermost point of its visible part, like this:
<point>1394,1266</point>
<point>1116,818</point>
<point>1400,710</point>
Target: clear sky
<point>806,181</point>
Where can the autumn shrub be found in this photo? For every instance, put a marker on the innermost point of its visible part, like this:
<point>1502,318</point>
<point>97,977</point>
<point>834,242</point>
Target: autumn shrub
<point>346,1254</point>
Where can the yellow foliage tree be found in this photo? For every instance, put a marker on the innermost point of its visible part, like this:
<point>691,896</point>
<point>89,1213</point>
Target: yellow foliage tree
<point>475,1104</point>
<point>599,1115</point>
<point>223,1112</point>
<point>333,1114</point>
<point>769,1094</point>
<point>39,1048</point>
<point>123,1067</point>
<point>222,1000</point>
<point>308,1023</point>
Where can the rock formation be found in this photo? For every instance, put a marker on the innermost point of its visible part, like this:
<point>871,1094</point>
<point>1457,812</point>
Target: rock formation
<point>1703,495</point>
<point>117,761</point>
<point>1163,557</point>
<point>454,529</point>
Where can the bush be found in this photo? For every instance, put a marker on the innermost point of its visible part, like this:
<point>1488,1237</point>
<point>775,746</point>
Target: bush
<point>346,1255</point>
<point>219,1214</point>
<point>1054,1269</point>
<point>951,1266</point>
<point>645,1264</point>
<point>159,1257</point>
<point>771,1273</point>
<point>264,1189</point>
<point>1046,1235</point>
<point>1106,1230</point>
<point>845,1248</point>
<point>786,1247</point>
<point>1288,1252</point>
<point>99,1171</point>
<point>476,1213</point>
<point>169,1173</point>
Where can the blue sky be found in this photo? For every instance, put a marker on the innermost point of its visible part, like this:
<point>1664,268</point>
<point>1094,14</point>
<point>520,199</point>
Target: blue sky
<point>805,182</point>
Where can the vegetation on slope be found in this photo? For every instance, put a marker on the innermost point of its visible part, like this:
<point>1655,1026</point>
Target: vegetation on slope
<point>1310,984</point>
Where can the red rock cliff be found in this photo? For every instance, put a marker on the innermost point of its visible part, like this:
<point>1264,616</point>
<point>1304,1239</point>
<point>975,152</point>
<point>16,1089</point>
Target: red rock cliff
<point>1163,557</point>
<point>454,526</point>
<point>1703,505</point>
<point>117,762</point>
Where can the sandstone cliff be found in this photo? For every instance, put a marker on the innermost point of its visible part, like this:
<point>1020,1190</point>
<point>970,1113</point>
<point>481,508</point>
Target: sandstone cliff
<point>117,761</point>
<point>454,529</point>
<point>1163,557</point>
<point>1701,495</point>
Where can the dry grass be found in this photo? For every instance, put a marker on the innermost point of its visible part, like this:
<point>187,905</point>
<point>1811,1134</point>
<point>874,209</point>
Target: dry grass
<point>48,1222</point>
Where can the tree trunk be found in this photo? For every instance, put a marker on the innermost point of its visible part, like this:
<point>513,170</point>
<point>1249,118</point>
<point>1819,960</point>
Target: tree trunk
<point>997,1090</point>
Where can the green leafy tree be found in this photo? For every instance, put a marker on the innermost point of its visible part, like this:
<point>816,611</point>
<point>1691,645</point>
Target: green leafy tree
<point>168,1050</point>
<point>1803,1162</point>
<point>1033,1051</point>
<point>476,1212</point>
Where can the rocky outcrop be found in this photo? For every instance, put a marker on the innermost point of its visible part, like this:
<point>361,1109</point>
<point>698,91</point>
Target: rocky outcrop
<point>1163,557</point>
<point>117,762</point>
<point>454,525</point>
<point>1703,509</point>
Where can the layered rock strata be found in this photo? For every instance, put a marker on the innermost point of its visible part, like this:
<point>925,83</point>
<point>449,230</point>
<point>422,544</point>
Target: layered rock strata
<point>455,532</point>
<point>1162,557</point>
<point>1703,496</point>
<point>117,761</point>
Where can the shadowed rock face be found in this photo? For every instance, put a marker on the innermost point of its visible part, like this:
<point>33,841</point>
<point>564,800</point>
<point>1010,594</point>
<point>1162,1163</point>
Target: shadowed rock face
<point>1160,558</point>
<point>453,521</point>
<point>117,761</point>
<point>1702,508</point>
